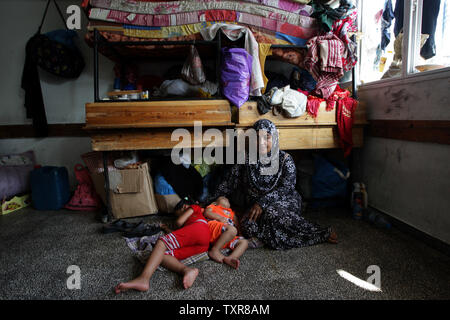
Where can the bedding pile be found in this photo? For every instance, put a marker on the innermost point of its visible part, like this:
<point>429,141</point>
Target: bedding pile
<point>320,27</point>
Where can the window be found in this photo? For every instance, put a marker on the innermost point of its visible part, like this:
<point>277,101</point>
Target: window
<point>402,37</point>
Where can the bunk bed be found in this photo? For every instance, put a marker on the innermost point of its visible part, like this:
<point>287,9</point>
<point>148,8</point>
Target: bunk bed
<point>144,125</point>
<point>137,124</point>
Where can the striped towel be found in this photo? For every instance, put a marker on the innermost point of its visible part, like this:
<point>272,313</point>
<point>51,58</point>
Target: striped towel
<point>325,62</point>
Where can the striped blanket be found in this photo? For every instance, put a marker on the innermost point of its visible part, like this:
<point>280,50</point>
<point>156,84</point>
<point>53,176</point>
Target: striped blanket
<point>260,7</point>
<point>305,30</point>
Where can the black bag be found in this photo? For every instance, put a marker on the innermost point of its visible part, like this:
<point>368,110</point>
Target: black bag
<point>60,57</point>
<point>55,52</point>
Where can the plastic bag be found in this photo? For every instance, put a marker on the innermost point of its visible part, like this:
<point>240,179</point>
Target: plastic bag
<point>329,182</point>
<point>180,87</point>
<point>192,70</point>
<point>236,75</point>
<point>294,103</point>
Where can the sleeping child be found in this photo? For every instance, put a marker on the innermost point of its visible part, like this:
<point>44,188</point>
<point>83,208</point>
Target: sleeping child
<point>190,239</point>
<point>223,231</point>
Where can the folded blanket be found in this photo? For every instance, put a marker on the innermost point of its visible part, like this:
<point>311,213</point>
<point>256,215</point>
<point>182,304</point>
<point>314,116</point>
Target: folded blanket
<point>259,7</point>
<point>305,30</point>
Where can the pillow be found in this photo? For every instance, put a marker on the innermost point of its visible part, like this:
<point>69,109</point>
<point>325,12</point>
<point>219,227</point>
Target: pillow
<point>15,174</point>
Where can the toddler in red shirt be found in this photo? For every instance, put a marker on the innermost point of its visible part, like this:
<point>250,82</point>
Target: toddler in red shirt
<point>192,238</point>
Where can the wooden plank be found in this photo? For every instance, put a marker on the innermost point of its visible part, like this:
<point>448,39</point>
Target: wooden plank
<point>147,139</point>
<point>157,114</point>
<point>248,114</point>
<point>312,137</point>
<point>428,131</point>
<point>321,137</point>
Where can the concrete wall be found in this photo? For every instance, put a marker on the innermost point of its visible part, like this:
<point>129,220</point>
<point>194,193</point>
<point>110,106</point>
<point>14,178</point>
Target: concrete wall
<point>409,180</point>
<point>64,99</point>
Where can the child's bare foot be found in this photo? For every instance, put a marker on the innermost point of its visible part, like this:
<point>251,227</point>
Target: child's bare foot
<point>333,237</point>
<point>190,274</point>
<point>232,262</point>
<point>139,284</point>
<point>216,255</point>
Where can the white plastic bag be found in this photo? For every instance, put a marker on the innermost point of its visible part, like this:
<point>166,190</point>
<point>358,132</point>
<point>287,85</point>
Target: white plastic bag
<point>294,102</point>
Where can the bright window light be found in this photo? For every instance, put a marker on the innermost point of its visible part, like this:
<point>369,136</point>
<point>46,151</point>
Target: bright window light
<point>360,283</point>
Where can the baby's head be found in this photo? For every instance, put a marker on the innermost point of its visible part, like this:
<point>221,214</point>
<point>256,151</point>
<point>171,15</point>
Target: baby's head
<point>182,206</point>
<point>223,202</point>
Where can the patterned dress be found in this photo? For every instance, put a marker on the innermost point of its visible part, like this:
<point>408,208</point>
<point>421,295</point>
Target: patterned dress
<point>280,226</point>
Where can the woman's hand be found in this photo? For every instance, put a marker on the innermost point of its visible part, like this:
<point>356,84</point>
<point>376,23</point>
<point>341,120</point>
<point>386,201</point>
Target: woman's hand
<point>255,212</point>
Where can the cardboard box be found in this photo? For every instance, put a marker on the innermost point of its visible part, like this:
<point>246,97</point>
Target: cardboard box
<point>131,192</point>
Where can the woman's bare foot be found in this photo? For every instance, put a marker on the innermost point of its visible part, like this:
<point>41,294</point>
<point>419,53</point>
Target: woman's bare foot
<point>189,276</point>
<point>139,284</point>
<point>216,255</point>
<point>333,237</point>
<point>232,262</point>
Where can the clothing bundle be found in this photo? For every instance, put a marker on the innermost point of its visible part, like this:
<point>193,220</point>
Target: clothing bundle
<point>291,103</point>
<point>328,12</point>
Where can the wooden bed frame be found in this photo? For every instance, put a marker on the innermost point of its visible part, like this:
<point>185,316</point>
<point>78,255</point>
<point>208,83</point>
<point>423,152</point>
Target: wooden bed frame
<point>149,125</point>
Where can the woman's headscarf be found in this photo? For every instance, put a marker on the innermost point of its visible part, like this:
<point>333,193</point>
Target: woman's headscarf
<point>264,175</point>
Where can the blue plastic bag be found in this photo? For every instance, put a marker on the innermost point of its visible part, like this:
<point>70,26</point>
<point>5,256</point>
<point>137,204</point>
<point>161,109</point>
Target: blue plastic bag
<point>162,187</point>
<point>236,75</point>
<point>329,182</point>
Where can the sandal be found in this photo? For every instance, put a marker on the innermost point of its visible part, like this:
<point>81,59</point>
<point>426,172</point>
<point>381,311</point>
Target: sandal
<point>142,230</point>
<point>120,226</point>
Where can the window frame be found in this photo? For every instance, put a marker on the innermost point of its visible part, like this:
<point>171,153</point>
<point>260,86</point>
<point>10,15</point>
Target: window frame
<point>410,53</point>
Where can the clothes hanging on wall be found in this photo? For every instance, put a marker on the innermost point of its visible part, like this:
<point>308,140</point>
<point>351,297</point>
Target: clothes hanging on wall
<point>34,102</point>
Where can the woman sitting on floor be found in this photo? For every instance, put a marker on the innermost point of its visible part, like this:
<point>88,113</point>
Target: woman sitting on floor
<point>272,204</point>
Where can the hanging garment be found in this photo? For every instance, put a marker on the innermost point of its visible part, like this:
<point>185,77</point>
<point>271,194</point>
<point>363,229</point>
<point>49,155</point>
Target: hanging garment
<point>344,117</point>
<point>34,102</point>
<point>430,13</point>
<point>340,29</point>
<point>386,22</point>
<point>264,51</point>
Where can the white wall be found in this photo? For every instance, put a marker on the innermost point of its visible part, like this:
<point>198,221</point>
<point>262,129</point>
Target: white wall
<point>409,180</point>
<point>64,99</point>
